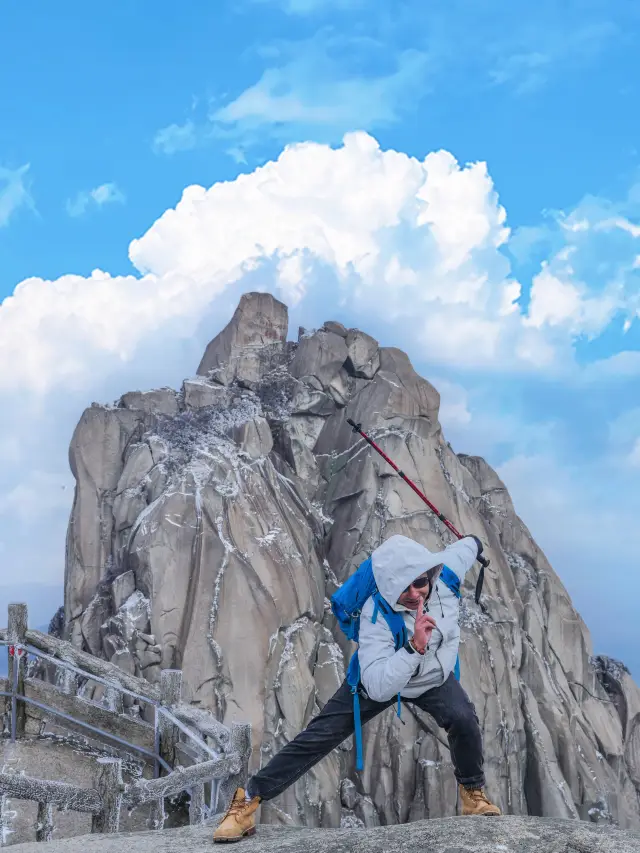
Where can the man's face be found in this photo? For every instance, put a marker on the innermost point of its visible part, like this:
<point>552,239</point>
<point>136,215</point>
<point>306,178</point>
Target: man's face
<point>416,592</point>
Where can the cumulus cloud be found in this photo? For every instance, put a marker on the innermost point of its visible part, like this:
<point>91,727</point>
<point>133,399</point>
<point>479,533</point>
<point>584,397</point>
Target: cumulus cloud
<point>408,249</point>
<point>99,196</point>
<point>14,192</point>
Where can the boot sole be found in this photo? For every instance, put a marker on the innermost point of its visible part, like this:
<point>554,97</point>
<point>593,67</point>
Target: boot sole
<point>481,814</point>
<point>244,835</point>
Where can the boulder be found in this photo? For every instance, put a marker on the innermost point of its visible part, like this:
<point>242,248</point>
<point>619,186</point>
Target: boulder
<point>363,355</point>
<point>249,345</point>
<point>198,393</point>
<point>162,401</point>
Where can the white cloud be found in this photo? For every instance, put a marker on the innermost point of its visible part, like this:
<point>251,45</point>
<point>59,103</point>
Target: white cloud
<point>412,247</point>
<point>559,301</point>
<point>315,89</point>
<point>14,192</point>
<point>618,368</point>
<point>176,137</point>
<point>454,404</point>
<point>97,197</point>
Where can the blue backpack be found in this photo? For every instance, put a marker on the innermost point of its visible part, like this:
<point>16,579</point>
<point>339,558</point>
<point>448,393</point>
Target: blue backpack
<point>347,603</point>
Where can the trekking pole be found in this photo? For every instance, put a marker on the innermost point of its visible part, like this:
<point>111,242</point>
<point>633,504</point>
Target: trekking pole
<point>482,560</point>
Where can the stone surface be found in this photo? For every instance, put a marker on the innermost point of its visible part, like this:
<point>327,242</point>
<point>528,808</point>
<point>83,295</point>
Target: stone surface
<point>238,519</point>
<point>161,401</point>
<point>55,758</point>
<point>335,327</point>
<point>363,356</point>
<point>198,393</point>
<point>459,835</point>
<point>244,349</point>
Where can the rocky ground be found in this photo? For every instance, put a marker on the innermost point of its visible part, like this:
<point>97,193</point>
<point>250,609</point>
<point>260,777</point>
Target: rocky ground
<point>211,525</point>
<point>450,835</point>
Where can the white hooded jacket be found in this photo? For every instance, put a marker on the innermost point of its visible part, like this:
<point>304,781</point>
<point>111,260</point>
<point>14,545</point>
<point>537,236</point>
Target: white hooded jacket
<point>385,672</point>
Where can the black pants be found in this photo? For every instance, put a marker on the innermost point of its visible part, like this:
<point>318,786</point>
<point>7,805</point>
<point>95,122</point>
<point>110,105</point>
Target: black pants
<point>448,704</point>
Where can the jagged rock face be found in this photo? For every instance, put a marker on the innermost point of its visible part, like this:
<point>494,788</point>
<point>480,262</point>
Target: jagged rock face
<point>210,528</point>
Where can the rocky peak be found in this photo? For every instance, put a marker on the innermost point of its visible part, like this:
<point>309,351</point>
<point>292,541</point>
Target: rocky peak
<point>248,345</point>
<point>211,526</point>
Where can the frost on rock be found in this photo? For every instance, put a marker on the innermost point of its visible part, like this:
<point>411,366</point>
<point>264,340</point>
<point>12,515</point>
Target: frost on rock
<point>471,616</point>
<point>611,667</point>
<point>348,820</point>
<point>191,433</point>
<point>288,649</point>
<point>519,565</point>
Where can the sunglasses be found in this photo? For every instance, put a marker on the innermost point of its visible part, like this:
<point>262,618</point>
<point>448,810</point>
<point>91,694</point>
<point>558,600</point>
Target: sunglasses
<point>419,583</point>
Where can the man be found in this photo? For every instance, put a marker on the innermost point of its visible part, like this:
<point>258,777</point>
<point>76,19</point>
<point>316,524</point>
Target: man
<point>406,574</point>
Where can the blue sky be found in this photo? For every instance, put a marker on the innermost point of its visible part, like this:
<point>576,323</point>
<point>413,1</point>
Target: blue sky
<point>111,110</point>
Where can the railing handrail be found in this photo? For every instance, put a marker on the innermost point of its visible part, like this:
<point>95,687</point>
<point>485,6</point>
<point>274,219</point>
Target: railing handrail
<point>93,665</point>
<point>63,664</point>
<point>111,792</point>
<point>225,769</point>
<point>43,707</point>
<point>22,787</point>
<point>181,779</point>
<point>160,709</point>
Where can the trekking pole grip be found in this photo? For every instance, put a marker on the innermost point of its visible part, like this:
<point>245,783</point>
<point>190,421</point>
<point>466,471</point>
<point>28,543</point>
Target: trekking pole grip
<point>483,562</point>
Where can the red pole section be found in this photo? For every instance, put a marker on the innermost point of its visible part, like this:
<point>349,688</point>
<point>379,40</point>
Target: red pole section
<point>357,428</point>
<point>409,482</point>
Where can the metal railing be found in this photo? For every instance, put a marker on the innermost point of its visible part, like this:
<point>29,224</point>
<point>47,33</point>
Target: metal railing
<point>166,730</point>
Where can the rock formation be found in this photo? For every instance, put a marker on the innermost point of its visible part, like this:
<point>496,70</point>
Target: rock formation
<point>210,527</point>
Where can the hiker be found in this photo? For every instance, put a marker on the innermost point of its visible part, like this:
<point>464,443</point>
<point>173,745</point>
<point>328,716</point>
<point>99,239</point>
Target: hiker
<point>412,592</point>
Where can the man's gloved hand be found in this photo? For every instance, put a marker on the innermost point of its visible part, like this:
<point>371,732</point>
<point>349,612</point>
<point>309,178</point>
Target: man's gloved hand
<point>478,543</point>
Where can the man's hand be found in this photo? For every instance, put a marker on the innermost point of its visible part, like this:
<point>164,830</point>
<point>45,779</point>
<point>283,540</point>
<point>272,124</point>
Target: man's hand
<point>423,630</point>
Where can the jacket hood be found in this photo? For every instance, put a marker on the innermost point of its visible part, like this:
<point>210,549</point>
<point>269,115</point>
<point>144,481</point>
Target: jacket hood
<point>398,562</point>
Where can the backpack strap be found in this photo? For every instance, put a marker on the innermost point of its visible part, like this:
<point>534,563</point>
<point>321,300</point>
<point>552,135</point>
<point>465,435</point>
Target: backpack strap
<point>452,581</point>
<point>395,622</point>
<point>353,680</point>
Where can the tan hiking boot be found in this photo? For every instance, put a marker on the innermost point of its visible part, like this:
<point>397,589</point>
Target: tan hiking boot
<point>475,802</point>
<point>239,821</point>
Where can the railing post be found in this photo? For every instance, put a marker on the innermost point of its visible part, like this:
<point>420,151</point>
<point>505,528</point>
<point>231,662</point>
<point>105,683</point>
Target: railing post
<point>170,694</point>
<point>156,814</point>
<point>240,742</point>
<point>113,700</point>
<point>110,787</point>
<point>5,821</point>
<point>16,634</point>
<point>69,682</point>
<point>44,822</point>
<point>196,804</point>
